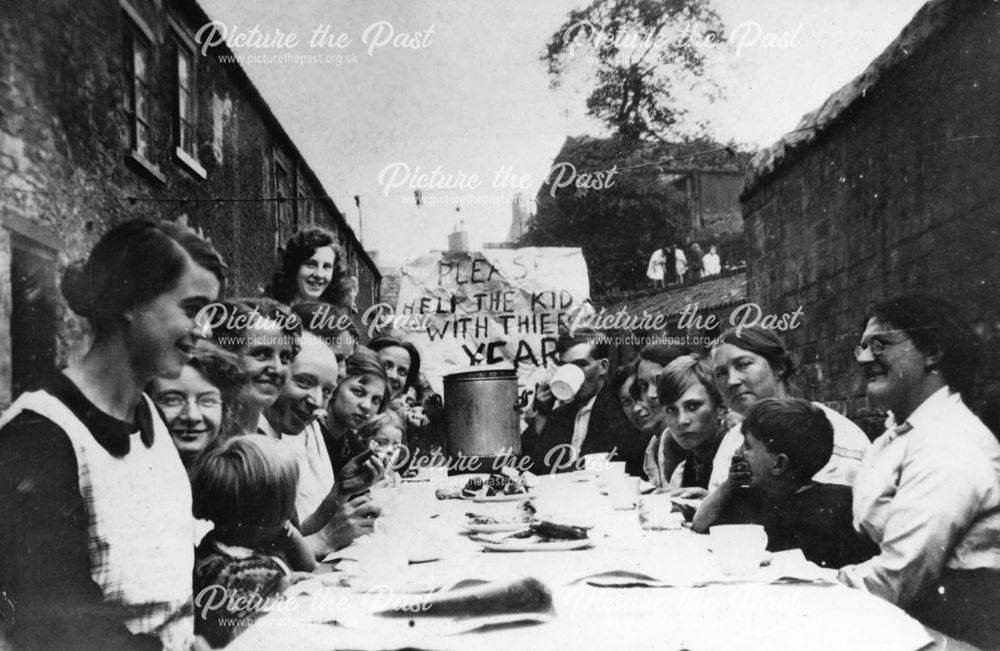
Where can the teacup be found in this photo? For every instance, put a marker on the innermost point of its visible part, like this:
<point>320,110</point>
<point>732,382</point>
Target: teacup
<point>739,548</point>
<point>566,381</point>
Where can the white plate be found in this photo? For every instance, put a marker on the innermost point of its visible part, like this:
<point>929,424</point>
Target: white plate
<point>502,498</point>
<point>555,546</point>
<point>501,527</point>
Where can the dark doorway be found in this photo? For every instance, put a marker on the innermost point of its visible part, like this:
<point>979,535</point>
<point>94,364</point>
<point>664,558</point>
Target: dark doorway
<point>33,314</point>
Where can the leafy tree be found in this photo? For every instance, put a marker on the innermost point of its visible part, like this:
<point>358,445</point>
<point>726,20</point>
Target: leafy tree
<point>642,54</point>
<point>635,211</point>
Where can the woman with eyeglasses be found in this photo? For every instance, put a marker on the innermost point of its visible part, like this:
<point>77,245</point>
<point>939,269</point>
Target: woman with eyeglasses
<point>751,364</point>
<point>928,492</point>
<point>195,404</point>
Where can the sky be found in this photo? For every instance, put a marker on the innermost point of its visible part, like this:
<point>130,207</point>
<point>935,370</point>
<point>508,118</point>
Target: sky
<point>386,92</point>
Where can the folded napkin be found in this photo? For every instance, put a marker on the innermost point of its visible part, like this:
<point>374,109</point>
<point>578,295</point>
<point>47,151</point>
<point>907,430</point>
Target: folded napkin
<point>785,568</point>
<point>518,597</point>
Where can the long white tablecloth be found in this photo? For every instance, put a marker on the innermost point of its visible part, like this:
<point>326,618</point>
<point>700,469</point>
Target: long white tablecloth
<point>718,616</point>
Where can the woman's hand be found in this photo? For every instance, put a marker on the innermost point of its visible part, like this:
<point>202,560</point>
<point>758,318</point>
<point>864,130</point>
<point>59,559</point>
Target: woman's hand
<point>355,519</point>
<point>359,474</point>
<point>690,493</point>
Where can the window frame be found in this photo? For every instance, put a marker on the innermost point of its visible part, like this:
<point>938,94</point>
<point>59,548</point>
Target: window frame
<point>136,33</point>
<point>182,45</point>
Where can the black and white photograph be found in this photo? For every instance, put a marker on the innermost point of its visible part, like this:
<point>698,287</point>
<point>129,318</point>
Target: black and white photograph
<point>500,324</point>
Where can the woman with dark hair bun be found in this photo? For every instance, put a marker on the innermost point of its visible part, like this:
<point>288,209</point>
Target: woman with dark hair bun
<point>95,501</point>
<point>313,268</point>
<point>928,492</point>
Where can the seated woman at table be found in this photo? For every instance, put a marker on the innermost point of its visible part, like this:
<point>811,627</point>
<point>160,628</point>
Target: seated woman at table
<point>264,335</point>
<point>635,444</point>
<point>313,268</point>
<point>785,442</point>
<point>401,361</point>
<point>195,404</point>
<point>246,487</point>
<point>929,489</point>
<point>361,395</point>
<point>94,500</point>
<point>694,415</point>
<point>751,364</point>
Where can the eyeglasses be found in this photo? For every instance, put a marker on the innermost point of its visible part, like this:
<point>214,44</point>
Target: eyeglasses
<point>876,348</point>
<point>180,402</point>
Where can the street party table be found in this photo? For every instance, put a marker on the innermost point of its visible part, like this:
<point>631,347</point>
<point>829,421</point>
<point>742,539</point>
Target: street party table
<point>631,588</point>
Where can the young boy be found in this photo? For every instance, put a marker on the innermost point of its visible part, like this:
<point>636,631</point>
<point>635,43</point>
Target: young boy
<point>786,442</point>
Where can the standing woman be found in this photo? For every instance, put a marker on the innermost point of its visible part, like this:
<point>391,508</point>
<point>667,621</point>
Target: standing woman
<point>313,268</point>
<point>928,492</point>
<point>655,268</point>
<point>94,499</point>
<point>264,334</point>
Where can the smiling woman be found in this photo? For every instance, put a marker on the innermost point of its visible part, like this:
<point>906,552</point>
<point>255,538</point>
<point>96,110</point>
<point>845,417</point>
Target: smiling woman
<point>195,404</point>
<point>313,268</point>
<point>67,451</point>
<point>266,348</point>
<point>928,492</point>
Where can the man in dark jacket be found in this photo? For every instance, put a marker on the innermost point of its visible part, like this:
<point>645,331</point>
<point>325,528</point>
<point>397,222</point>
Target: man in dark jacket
<point>592,421</point>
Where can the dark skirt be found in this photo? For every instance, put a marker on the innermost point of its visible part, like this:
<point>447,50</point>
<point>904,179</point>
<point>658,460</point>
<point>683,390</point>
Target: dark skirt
<point>964,604</point>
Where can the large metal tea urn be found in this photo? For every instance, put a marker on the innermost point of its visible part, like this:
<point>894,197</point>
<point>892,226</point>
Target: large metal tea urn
<point>480,414</point>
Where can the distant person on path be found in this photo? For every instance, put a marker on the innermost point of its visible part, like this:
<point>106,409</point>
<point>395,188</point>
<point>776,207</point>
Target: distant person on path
<point>696,261</point>
<point>655,269</point>
<point>711,262</point>
<point>680,263</point>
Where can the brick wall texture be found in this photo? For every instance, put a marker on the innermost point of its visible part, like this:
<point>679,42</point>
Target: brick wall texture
<point>899,196</point>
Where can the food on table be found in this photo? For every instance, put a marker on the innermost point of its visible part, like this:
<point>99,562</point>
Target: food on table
<point>545,531</point>
<point>524,513</point>
<point>494,485</point>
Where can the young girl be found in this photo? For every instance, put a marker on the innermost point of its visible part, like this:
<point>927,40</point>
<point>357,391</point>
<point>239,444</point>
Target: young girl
<point>246,487</point>
<point>363,393</point>
<point>385,433</point>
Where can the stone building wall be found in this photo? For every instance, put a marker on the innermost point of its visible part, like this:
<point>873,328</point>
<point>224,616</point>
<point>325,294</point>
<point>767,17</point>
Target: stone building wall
<point>68,171</point>
<point>898,195</point>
